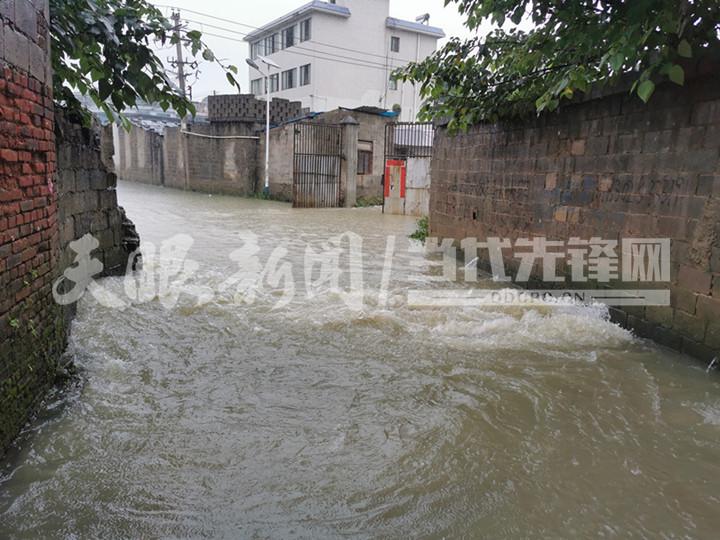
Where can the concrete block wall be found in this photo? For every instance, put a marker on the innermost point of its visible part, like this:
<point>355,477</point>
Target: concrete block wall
<point>246,108</point>
<point>216,158</point>
<point>32,334</point>
<point>139,155</point>
<point>281,162</point>
<point>610,167</point>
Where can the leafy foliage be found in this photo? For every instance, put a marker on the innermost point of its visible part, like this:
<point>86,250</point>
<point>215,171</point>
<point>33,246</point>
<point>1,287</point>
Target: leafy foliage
<point>423,230</point>
<point>104,49</point>
<point>572,45</point>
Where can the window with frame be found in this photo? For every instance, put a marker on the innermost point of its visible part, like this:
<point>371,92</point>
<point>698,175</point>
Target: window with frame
<point>270,44</point>
<point>395,44</point>
<point>256,87</point>
<point>274,83</point>
<point>288,37</point>
<point>306,30</point>
<point>256,50</point>
<point>305,75</point>
<point>392,83</point>
<point>365,157</point>
<point>288,79</point>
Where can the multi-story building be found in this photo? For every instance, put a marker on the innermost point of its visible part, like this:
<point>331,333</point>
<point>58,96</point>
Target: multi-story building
<point>341,54</point>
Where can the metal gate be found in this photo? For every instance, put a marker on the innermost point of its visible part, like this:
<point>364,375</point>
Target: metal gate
<point>408,151</point>
<point>317,164</point>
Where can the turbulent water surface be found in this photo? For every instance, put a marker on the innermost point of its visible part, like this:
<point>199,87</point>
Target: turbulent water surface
<point>244,417</point>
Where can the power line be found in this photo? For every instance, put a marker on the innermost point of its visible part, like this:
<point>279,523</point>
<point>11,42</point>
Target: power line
<point>318,56</point>
<point>209,16</point>
<point>370,63</point>
<point>257,28</point>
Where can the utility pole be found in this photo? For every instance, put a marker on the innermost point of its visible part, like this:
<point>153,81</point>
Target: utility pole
<point>179,62</point>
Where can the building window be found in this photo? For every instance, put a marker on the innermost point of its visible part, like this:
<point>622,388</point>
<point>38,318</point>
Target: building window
<point>305,30</point>
<point>270,44</point>
<point>365,157</point>
<point>256,87</point>
<point>255,50</point>
<point>305,75</point>
<point>393,84</point>
<point>288,37</point>
<point>288,79</point>
<point>395,44</point>
<point>275,83</point>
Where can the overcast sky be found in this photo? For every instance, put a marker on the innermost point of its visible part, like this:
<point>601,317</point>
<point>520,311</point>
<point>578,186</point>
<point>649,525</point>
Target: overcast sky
<point>256,13</point>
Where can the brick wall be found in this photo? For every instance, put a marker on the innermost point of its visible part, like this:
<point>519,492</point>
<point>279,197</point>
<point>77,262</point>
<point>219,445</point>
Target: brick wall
<point>56,184</point>
<point>32,335</point>
<point>609,167</point>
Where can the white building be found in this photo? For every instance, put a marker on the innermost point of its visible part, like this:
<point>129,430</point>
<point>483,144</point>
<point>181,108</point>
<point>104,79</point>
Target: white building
<point>341,53</point>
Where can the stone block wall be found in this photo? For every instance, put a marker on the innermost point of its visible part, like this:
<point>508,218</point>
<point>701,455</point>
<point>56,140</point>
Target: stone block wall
<point>87,196</point>
<point>32,334</point>
<point>610,167</point>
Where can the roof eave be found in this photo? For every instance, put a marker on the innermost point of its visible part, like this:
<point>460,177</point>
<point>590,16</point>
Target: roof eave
<point>315,6</point>
<point>409,26</point>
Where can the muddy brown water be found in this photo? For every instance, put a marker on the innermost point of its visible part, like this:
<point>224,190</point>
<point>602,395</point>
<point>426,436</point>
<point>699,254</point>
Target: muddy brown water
<point>241,419</point>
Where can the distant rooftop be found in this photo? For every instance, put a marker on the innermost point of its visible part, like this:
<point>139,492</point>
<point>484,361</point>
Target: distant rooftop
<point>315,5</point>
<point>399,24</point>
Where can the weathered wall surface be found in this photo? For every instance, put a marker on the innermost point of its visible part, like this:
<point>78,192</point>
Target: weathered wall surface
<point>56,184</point>
<point>139,155</point>
<point>611,167</point>
<point>227,155</point>
<point>87,196</point>
<point>32,334</point>
<point>213,160</point>
<point>282,141</point>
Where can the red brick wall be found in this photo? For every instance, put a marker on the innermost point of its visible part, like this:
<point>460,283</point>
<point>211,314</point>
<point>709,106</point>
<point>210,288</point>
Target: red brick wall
<point>31,330</point>
<point>27,198</point>
<point>610,167</point>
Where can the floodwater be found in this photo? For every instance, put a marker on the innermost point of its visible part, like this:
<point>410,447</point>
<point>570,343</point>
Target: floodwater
<point>244,418</point>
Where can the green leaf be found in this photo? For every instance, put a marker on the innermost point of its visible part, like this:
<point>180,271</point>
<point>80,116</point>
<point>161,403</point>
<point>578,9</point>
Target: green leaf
<point>684,49</point>
<point>617,61</point>
<point>645,90</point>
<point>677,75</point>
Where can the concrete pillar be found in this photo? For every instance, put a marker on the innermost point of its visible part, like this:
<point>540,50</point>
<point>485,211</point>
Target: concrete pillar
<point>351,130</point>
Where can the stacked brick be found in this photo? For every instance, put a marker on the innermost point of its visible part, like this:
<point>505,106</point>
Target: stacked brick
<point>246,108</point>
<point>609,167</point>
<point>31,330</point>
